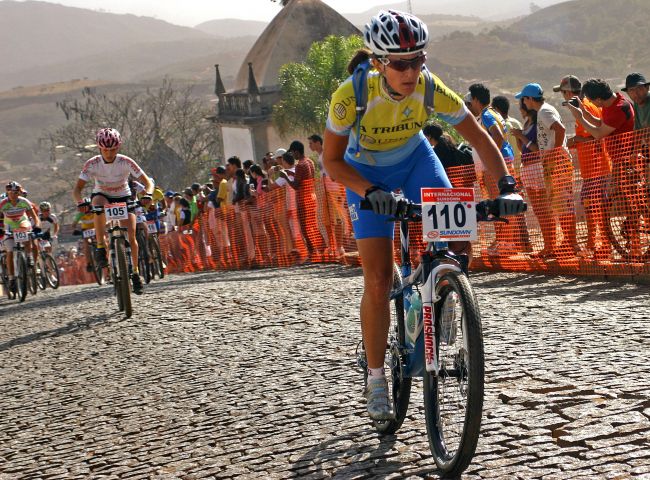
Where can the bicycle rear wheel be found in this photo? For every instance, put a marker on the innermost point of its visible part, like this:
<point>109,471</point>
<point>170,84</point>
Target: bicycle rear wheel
<point>399,385</point>
<point>32,281</point>
<point>123,283</point>
<point>453,400</point>
<point>143,259</point>
<point>157,258</point>
<point>21,276</point>
<point>50,271</point>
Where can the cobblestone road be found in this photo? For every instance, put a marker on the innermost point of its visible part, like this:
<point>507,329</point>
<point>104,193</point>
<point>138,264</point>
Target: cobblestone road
<point>252,375</point>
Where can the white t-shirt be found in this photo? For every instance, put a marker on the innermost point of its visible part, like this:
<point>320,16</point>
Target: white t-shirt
<point>547,116</point>
<point>111,179</point>
<point>291,194</point>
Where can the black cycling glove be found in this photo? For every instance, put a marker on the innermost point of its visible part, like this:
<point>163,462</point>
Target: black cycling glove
<point>509,201</point>
<point>382,202</point>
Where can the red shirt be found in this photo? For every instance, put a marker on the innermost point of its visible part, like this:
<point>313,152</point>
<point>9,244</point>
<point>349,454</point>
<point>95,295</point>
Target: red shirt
<point>304,170</point>
<point>620,115</point>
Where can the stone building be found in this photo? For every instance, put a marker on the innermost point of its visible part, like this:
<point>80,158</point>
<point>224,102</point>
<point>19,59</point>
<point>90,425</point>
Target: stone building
<point>244,114</point>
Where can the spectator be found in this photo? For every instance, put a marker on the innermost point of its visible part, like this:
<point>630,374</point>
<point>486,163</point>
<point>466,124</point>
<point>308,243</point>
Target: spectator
<point>594,169</point>
<point>170,209</point>
<point>303,184</point>
<point>502,105</point>
<point>247,170</point>
<point>259,177</point>
<point>199,197</point>
<point>219,195</point>
<point>232,164</point>
<point>558,171</point>
<point>188,194</point>
<point>617,119</point>
<point>638,89</point>
<point>185,212</point>
<point>617,112</point>
<point>316,145</point>
<point>241,190</point>
<point>446,149</point>
<point>509,238</point>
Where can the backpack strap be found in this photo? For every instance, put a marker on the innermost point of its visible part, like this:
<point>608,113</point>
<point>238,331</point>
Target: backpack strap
<point>429,89</point>
<point>360,86</point>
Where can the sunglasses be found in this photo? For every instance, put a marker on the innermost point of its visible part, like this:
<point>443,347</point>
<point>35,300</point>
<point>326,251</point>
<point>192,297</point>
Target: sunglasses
<point>403,65</point>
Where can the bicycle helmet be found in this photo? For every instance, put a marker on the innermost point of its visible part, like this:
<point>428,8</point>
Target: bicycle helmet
<point>14,187</point>
<point>108,138</point>
<point>394,32</point>
<point>45,206</point>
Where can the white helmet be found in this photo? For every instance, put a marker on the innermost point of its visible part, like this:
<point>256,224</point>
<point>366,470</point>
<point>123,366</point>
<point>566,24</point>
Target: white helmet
<point>393,32</point>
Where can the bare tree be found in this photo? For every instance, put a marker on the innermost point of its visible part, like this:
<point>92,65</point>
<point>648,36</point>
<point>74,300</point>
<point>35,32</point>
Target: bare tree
<point>164,129</point>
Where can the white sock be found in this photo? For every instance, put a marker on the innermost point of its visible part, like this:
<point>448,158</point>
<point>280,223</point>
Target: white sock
<point>376,372</point>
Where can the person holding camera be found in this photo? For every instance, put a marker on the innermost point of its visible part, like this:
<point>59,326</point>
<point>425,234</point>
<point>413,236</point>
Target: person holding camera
<point>558,171</point>
<point>594,169</point>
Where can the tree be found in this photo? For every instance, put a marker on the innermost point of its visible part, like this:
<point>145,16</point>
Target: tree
<point>534,7</point>
<point>165,130</point>
<point>306,88</point>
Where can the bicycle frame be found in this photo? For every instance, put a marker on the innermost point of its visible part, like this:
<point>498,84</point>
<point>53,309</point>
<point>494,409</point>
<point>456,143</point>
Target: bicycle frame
<point>421,355</point>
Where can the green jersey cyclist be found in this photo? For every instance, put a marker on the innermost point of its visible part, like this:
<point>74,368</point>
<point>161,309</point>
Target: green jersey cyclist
<point>111,172</point>
<point>388,151</point>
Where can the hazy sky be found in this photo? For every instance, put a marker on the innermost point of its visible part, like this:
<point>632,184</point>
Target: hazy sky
<point>193,12</point>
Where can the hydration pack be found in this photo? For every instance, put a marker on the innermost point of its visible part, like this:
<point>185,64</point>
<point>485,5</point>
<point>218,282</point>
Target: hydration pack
<point>360,86</point>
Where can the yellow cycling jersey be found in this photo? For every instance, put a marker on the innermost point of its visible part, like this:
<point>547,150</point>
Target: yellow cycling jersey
<point>388,123</point>
<point>85,220</point>
<point>158,195</point>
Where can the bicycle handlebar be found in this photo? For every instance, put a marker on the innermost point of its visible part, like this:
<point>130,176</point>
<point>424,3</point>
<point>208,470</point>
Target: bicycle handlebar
<point>407,211</point>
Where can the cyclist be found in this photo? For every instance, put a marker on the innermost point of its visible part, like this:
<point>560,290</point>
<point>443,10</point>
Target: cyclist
<point>85,221</point>
<point>388,151</point>
<point>111,172</point>
<point>16,212</point>
<point>49,223</point>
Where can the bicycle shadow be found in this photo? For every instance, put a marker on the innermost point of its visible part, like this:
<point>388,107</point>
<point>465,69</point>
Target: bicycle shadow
<point>324,460</point>
<point>72,327</point>
<point>59,297</point>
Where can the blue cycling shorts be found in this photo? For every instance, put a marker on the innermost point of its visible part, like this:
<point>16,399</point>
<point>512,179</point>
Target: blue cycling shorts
<point>420,168</point>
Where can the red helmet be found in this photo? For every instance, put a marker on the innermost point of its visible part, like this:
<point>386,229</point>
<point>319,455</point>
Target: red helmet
<point>108,138</point>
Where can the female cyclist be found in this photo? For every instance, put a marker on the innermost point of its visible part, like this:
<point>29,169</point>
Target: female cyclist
<point>391,152</point>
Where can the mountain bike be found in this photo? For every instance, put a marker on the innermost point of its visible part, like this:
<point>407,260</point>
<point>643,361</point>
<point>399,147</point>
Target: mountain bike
<point>445,346</point>
<point>47,269</point>
<point>24,273</point>
<point>119,252</point>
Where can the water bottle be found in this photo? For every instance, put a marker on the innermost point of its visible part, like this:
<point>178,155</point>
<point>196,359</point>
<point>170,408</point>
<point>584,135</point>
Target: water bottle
<point>414,318</point>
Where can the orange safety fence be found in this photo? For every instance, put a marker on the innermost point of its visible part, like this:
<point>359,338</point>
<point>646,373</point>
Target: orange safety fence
<point>588,214</point>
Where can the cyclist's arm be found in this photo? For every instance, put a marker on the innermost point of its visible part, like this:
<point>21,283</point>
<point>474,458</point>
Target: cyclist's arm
<point>333,151</point>
<point>148,184</point>
<point>490,155</point>
<point>78,188</point>
<point>31,213</point>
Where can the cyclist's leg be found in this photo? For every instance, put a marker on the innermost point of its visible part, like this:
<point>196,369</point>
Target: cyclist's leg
<point>9,250</point>
<point>130,224</point>
<point>99,200</point>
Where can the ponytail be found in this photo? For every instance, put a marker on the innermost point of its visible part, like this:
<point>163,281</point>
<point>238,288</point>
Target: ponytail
<point>361,55</point>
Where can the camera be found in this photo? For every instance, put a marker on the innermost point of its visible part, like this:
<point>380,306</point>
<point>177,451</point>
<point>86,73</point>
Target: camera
<point>574,102</point>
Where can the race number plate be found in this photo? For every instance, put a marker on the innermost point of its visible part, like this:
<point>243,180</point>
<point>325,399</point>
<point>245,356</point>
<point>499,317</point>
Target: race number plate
<point>151,227</point>
<point>90,233</point>
<point>116,211</point>
<point>44,244</point>
<point>448,214</point>
<point>21,236</point>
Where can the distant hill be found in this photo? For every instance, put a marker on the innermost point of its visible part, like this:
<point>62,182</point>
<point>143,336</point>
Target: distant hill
<point>232,27</point>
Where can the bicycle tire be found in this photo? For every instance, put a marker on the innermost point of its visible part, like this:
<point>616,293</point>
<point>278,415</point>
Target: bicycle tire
<point>32,281</point>
<point>21,276</point>
<point>5,279</point>
<point>400,386</point>
<point>157,258</point>
<point>51,271</point>
<point>467,364</point>
<point>143,259</point>
<point>124,290</point>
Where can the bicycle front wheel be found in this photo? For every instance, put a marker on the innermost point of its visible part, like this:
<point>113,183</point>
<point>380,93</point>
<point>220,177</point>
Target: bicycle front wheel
<point>453,400</point>
<point>123,281</point>
<point>50,271</point>
<point>21,277</point>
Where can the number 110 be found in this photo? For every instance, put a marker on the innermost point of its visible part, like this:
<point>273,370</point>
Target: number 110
<point>460,217</point>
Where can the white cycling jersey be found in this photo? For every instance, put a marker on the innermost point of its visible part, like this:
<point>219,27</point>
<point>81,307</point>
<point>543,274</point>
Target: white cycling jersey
<point>111,179</point>
<point>47,223</point>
